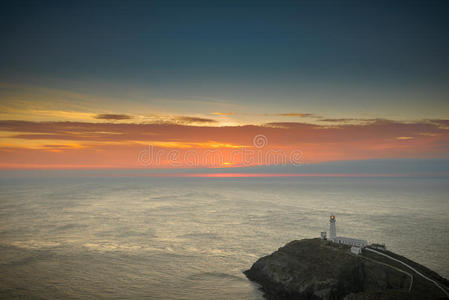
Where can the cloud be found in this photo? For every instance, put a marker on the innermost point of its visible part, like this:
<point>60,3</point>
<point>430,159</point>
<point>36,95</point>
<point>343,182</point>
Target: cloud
<point>279,134</point>
<point>301,115</point>
<point>176,120</point>
<point>443,124</point>
<point>192,120</point>
<point>112,117</point>
<point>223,113</point>
<point>353,120</point>
<point>338,120</point>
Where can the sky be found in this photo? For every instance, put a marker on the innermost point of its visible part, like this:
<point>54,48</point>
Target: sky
<point>182,84</point>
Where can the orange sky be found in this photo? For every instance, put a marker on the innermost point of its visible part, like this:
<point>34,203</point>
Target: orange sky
<point>184,142</point>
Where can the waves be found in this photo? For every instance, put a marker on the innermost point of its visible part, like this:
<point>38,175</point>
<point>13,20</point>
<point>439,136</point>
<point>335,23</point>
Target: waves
<point>192,239</point>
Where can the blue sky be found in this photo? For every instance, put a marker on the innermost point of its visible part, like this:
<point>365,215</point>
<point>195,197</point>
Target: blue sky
<point>344,58</point>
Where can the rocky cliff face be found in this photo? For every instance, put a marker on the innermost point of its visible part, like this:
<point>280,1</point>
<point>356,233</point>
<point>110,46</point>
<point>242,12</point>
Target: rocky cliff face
<point>316,269</point>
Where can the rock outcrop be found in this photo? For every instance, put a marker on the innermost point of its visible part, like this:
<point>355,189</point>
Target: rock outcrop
<point>317,269</point>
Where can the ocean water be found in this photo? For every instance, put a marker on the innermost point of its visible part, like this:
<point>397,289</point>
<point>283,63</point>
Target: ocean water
<point>191,238</point>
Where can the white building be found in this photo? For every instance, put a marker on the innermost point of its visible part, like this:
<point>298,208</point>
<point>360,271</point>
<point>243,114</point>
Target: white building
<point>356,250</point>
<point>350,241</point>
<point>343,240</point>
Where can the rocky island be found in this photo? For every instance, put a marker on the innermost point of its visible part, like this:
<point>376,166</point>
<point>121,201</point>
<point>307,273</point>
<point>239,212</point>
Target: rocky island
<point>320,269</point>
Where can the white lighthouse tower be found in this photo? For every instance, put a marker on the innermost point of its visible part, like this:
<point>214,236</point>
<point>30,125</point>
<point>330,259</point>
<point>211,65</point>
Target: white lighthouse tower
<point>332,229</point>
<point>356,244</point>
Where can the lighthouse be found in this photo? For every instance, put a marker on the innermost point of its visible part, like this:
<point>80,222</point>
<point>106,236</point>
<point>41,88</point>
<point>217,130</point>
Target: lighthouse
<point>340,239</point>
<point>332,229</point>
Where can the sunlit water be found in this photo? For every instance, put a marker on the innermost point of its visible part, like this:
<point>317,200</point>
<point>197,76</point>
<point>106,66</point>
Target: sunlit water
<point>163,238</point>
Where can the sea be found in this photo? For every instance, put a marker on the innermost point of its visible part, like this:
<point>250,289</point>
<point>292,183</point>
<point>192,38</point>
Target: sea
<point>69,235</point>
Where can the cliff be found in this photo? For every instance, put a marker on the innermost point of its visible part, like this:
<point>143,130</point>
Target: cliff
<point>317,269</point>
